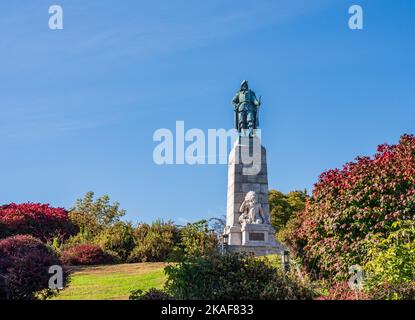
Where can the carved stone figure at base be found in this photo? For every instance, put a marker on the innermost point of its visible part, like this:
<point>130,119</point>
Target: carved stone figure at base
<point>251,211</point>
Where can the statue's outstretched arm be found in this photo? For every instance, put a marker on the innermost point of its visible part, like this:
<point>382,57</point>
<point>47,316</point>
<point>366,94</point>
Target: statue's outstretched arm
<point>255,101</point>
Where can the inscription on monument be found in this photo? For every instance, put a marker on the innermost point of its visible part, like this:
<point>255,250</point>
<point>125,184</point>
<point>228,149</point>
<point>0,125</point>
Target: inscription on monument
<point>255,236</point>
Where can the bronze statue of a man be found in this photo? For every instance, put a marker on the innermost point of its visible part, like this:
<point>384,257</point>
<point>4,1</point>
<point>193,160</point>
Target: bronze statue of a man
<point>246,107</point>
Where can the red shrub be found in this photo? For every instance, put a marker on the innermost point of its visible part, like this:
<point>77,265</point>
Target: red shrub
<point>349,205</point>
<point>24,267</point>
<point>39,220</point>
<point>385,291</point>
<point>341,291</point>
<point>85,254</point>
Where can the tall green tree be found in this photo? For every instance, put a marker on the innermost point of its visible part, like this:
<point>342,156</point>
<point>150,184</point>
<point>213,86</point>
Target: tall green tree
<point>94,216</point>
<point>284,206</point>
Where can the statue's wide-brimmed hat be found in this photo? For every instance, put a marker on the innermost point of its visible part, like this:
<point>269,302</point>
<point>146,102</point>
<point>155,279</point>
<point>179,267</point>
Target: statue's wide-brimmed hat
<point>245,82</point>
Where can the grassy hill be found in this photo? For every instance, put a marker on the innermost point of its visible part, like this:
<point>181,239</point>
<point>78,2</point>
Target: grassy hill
<point>113,282</point>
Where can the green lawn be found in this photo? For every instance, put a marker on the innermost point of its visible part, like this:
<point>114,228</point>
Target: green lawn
<point>112,282</point>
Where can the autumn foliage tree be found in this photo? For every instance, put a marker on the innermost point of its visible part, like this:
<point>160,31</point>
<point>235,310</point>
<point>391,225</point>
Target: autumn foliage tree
<point>39,220</point>
<point>352,205</point>
<point>24,268</point>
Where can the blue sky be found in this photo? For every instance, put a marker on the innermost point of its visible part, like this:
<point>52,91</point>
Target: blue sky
<point>78,107</point>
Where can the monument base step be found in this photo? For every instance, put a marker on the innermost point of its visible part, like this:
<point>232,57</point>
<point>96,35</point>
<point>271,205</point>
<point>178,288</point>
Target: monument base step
<point>257,250</point>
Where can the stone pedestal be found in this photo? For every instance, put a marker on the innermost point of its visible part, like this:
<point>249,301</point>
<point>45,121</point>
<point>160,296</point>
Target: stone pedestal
<point>247,171</point>
<point>258,235</point>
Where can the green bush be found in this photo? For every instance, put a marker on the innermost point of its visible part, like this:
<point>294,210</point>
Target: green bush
<point>118,239</point>
<point>390,261</point>
<point>154,242</point>
<point>196,239</point>
<point>232,276</point>
<point>151,294</point>
<point>387,291</point>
